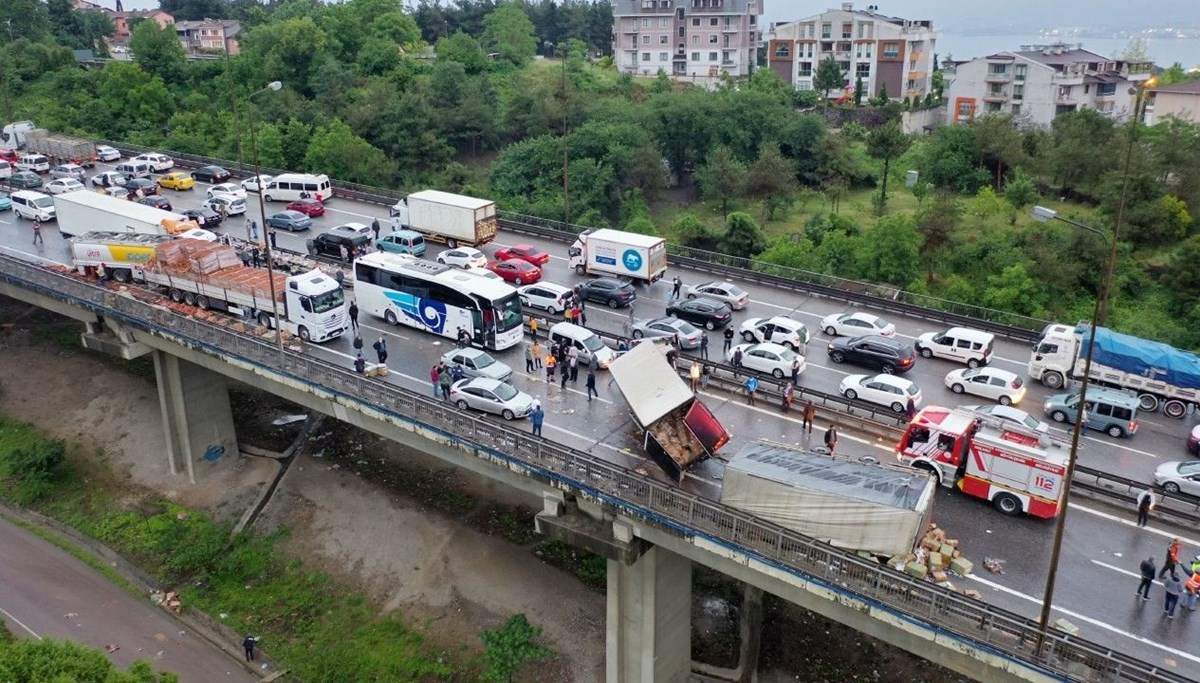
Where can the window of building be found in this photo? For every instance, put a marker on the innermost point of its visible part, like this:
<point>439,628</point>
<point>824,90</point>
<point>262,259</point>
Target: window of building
<point>1016,109</point>
<point>911,85</point>
<point>663,56</point>
<point>645,22</point>
<point>783,50</point>
<point>712,40</point>
<point>663,40</point>
<point>712,56</point>
<point>847,31</point>
<point>966,109</point>
<point>727,57</point>
<point>725,41</point>
<point>679,48</point>
<point>844,66</point>
<point>664,22</point>
<point>826,30</point>
<point>862,29</point>
<point>679,14</point>
<point>645,40</point>
<point>1019,72</point>
<point>863,70</point>
<point>804,85</point>
<point>695,40</point>
<point>997,69</point>
<point>713,21</point>
<point>645,56</point>
<point>891,50</point>
<point>993,107</point>
<point>805,70</point>
<point>695,21</point>
<point>753,20</point>
<point>682,31</point>
<point>996,90</point>
<point>1018,92</point>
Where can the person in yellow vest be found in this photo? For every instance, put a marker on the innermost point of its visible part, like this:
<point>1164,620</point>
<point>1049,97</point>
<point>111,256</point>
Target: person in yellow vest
<point>1191,587</point>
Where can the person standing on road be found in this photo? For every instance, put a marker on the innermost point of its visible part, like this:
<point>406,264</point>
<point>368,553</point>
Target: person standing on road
<point>1172,559</point>
<point>445,379</point>
<point>1148,569</point>
<point>537,355</point>
<point>676,286</point>
<point>360,364</point>
<point>375,227</point>
<point>789,392</point>
<point>573,363</point>
<point>271,238</point>
<point>551,361</point>
<point>255,257</point>
<point>751,387</point>
<point>433,377</point>
<point>536,418</point>
<point>533,326</point>
<point>354,316</point>
<point>1174,588</point>
<point>253,223</point>
<point>567,369</point>
<point>37,233</point>
<point>810,413</point>
<point>381,350</point>
<point>344,253</point>
<point>248,646</point>
<point>831,439</point>
<point>694,373</point>
<point>1191,591</point>
<point>357,343</point>
<point>591,385</point>
<point>704,347</point>
<point>528,359</point>
<point>796,372</point>
<point>910,410</point>
<point>737,361</point>
<point>1145,503</point>
<point>728,339</point>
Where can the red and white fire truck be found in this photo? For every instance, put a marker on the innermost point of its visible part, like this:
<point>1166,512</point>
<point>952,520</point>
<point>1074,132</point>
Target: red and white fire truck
<point>1017,468</point>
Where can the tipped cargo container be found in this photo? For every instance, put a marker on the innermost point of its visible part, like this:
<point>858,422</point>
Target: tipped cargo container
<point>82,211</point>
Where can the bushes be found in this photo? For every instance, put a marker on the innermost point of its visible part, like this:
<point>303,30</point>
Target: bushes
<point>34,464</point>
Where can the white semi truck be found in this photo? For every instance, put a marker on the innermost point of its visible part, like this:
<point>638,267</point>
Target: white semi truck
<point>210,275</point>
<point>454,219</point>
<point>83,211</point>
<point>620,254</point>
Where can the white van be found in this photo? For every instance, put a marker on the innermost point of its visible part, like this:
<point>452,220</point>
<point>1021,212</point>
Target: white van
<point>37,163</point>
<point>135,169</point>
<point>960,344</point>
<point>289,187</point>
<point>33,205</point>
<point>587,342</point>
<point>159,162</point>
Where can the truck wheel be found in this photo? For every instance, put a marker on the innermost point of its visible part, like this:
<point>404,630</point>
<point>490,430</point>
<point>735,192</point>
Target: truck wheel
<point>1058,416</point>
<point>837,357</point>
<point>957,388</point>
<point>122,275</point>
<point>389,317</point>
<point>1006,400</point>
<point>264,319</point>
<point>1007,504</point>
<point>926,353</point>
<point>202,302</point>
<point>1174,409</point>
<point>176,295</point>
<point>614,304</point>
<point>1054,380</point>
<point>1148,403</point>
<point>453,244</point>
<point>580,270</point>
<point>189,298</point>
<point>1115,431</point>
<point>304,334</point>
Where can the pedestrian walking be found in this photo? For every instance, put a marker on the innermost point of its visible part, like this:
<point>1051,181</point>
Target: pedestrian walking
<point>433,377</point>
<point>737,361</point>
<point>551,361</point>
<point>910,410</point>
<point>375,227</point>
<point>537,355</point>
<point>1148,569</point>
<point>1172,559</point>
<point>704,347</point>
<point>533,327</point>
<point>728,340</point>
<point>627,326</point>
<point>255,257</point>
<point>751,386</point>
<point>381,350</point>
<point>528,360</point>
<point>1145,503</point>
<point>573,363</point>
<point>248,646</point>
<point>789,391</point>
<point>810,413</point>
<point>796,372</point>
<point>1173,588</point>
<point>581,314</point>
<point>353,316</point>
<point>253,223</point>
<point>536,418</point>
<point>676,285</point>
<point>591,385</point>
<point>445,379</point>
<point>271,238</point>
<point>831,439</point>
<point>360,364</point>
<point>1191,591</point>
<point>37,233</point>
<point>694,373</point>
<point>357,343</point>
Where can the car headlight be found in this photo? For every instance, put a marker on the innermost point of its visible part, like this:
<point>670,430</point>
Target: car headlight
<point>1046,407</point>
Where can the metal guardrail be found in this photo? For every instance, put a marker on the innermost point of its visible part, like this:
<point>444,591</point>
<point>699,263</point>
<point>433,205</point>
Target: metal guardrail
<point>978,623</point>
<point>1010,325</point>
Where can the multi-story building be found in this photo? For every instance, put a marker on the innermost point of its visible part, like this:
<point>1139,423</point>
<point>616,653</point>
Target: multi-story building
<point>209,36</point>
<point>1039,82</point>
<point>686,38</point>
<point>1181,100</point>
<point>123,22</point>
<point>884,52</point>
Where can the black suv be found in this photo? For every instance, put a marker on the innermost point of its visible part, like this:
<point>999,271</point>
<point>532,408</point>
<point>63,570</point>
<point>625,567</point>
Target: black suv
<point>887,355</point>
<point>331,243</point>
<point>709,313</point>
<point>204,216</point>
<point>609,291</point>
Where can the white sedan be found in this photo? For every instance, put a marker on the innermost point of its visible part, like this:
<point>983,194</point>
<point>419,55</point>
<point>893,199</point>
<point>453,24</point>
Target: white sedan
<point>1012,415</point>
<point>491,396</point>
<point>999,385</point>
<point>885,390</point>
<point>771,359</point>
<point>61,185</point>
<point>728,292</point>
<point>463,257</point>
<point>255,183</point>
<point>856,324</point>
<point>227,189</point>
<point>779,330</point>
<point>106,153</point>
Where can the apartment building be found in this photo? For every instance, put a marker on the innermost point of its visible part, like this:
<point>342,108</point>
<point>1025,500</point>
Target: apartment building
<point>209,36</point>
<point>1039,82</point>
<point>882,51</point>
<point>1181,100</point>
<point>686,38</point>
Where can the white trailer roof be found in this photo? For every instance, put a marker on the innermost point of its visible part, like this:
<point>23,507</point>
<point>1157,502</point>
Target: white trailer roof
<point>648,383</point>
<point>452,199</point>
<point>632,239</point>
<point>124,207</point>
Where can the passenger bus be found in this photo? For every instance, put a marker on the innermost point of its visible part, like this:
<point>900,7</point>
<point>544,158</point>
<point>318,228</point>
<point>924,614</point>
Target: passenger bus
<point>438,298</point>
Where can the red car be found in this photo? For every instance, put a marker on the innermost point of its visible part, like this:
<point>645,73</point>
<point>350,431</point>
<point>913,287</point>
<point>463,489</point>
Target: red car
<point>309,207</point>
<point>523,252</point>
<point>9,155</point>
<point>516,270</point>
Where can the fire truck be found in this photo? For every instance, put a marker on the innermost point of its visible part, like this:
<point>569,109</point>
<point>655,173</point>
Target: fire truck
<point>1016,468</point>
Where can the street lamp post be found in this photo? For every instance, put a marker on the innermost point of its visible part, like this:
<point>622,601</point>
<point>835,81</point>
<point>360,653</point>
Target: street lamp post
<point>262,214</point>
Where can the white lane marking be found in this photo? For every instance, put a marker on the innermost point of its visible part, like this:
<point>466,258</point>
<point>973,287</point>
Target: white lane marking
<point>1126,522</point>
<point>330,209</point>
<point>1108,442</point>
<point>1094,622</point>
<point>18,622</point>
<point>1126,572</point>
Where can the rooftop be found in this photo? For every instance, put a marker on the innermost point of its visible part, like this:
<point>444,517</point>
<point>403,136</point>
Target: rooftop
<point>1186,88</point>
<point>1060,54</point>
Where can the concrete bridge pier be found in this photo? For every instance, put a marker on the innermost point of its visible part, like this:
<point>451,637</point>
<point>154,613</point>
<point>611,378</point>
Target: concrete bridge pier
<point>197,417</point>
<point>649,627</point>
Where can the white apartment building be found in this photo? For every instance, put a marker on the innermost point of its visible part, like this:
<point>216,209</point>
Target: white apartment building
<point>883,51</point>
<point>692,38</point>
<point>1039,82</point>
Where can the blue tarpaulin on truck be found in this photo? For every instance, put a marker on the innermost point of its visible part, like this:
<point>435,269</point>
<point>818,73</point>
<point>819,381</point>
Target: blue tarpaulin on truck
<point>1150,359</point>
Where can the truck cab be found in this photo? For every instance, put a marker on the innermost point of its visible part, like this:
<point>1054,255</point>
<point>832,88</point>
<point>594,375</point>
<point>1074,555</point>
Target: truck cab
<point>1054,355</point>
<point>316,307</point>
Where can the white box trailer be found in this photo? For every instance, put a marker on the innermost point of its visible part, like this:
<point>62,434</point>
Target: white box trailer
<point>454,219</point>
<point>627,255</point>
<point>83,211</point>
<point>882,509</point>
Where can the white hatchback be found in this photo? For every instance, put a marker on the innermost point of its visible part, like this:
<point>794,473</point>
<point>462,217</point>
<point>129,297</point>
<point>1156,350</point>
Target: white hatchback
<point>728,292</point>
<point>227,189</point>
<point>856,324</point>
<point>255,183</point>
<point>1002,386</point>
<point>885,390</point>
<point>545,295</point>
<point>779,330</point>
<point>463,257</point>
<point>772,359</point>
<point>159,162</point>
<point>234,206</point>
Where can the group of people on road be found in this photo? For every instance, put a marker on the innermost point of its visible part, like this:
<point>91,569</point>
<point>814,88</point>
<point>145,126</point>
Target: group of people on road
<point>1180,582</point>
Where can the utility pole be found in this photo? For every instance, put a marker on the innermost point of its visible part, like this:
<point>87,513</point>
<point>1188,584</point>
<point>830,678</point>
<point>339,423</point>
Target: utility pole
<point>566,159</point>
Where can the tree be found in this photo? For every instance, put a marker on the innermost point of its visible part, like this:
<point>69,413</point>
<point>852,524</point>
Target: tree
<point>52,660</point>
<point>692,233</point>
<point>743,236</point>
<point>722,178</point>
<point>338,152</point>
<point>463,49</point>
<point>883,99</point>
<point>642,226</point>
<point>892,251</point>
<point>195,10</point>
<point>1083,143</point>
<point>1135,50</point>
<point>157,50</point>
<point>772,179</point>
<point>999,143</point>
<point>937,224</point>
<point>1020,192</point>
<point>828,76</point>
<point>1181,276</point>
<point>510,34</point>
<point>1013,290</point>
<point>887,142</point>
<point>858,91</point>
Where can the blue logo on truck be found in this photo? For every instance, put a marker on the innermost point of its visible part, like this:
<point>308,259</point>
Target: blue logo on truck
<point>632,260</point>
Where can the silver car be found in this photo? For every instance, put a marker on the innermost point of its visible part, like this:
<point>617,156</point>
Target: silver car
<point>69,171</point>
<point>477,363</point>
<point>491,396</point>
<point>1179,477</point>
<point>687,334</point>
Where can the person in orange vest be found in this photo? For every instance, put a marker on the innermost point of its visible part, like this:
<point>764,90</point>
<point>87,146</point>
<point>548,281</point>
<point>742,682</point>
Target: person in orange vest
<point>1172,559</point>
<point>1191,593</point>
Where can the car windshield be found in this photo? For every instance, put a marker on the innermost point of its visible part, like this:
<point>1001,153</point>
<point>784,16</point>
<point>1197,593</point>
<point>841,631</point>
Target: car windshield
<point>505,392</point>
<point>592,343</point>
<point>43,202</point>
<point>734,290</point>
<point>483,360</point>
<point>912,390</point>
<point>323,303</point>
<point>1189,467</point>
<point>508,313</point>
<point>787,355</point>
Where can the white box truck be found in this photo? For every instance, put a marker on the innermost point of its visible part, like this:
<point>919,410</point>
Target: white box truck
<point>454,219</point>
<point>881,509</point>
<point>625,255</point>
<point>83,211</point>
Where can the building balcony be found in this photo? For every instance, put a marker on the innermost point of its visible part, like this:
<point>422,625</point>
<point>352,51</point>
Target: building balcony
<point>1068,101</point>
<point>995,97</point>
<point>731,29</point>
<point>997,78</point>
<point>727,62</point>
<point>917,56</point>
<point>1068,78</point>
